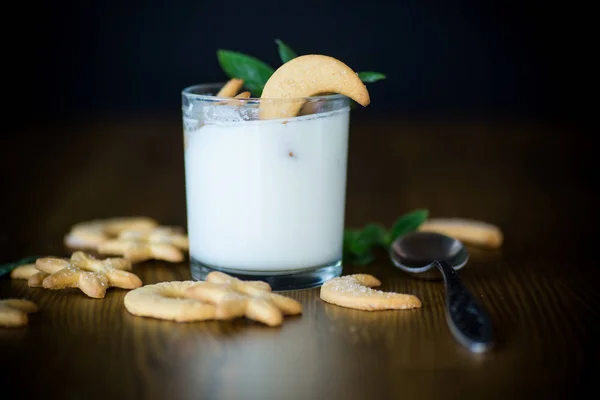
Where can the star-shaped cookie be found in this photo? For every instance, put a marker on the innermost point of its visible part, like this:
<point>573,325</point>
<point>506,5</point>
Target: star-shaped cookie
<point>92,276</point>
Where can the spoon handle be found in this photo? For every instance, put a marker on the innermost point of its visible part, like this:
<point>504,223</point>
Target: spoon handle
<point>468,320</point>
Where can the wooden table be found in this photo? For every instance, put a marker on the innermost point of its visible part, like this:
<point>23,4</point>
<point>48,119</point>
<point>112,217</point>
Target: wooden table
<point>531,179</point>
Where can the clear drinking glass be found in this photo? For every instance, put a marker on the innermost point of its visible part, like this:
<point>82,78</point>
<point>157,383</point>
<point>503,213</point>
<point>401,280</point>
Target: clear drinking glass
<point>265,197</point>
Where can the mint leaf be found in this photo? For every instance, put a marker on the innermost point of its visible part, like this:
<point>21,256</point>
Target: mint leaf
<point>360,260</point>
<point>408,223</point>
<point>373,235</point>
<point>370,77</point>
<point>254,88</point>
<point>352,244</point>
<point>359,243</point>
<point>6,268</point>
<point>254,72</point>
<point>285,52</point>
<point>356,251</point>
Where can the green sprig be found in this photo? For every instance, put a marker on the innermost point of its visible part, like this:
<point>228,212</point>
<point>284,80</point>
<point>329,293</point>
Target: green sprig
<point>360,244</point>
<point>255,73</point>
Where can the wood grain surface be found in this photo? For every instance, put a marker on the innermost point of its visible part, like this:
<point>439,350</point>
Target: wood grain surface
<point>532,180</point>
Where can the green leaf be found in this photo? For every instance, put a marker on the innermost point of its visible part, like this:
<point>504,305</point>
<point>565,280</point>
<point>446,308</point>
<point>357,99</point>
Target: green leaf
<point>351,243</point>
<point>373,235</point>
<point>408,223</point>
<point>254,88</point>
<point>6,268</point>
<point>370,77</point>
<point>359,243</point>
<point>354,249</point>
<point>285,52</point>
<point>360,260</point>
<point>254,72</point>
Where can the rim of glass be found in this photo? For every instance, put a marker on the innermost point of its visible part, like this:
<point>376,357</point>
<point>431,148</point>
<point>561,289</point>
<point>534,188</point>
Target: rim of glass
<point>188,91</point>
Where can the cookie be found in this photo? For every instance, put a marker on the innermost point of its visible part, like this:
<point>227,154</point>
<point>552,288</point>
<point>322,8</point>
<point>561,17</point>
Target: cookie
<point>354,291</point>
<point>92,276</point>
<point>168,301</point>
<point>220,297</point>
<point>231,88</point>
<point>306,76</point>
<point>469,231</point>
<point>243,95</point>
<point>159,243</point>
<point>88,235</point>
<point>24,271</point>
<point>13,312</point>
<point>252,299</point>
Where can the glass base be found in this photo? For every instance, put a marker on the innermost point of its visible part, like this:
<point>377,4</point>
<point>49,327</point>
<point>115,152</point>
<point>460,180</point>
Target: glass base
<point>279,281</point>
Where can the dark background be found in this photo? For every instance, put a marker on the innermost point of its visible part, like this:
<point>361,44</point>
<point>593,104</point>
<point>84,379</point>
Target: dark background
<point>460,59</point>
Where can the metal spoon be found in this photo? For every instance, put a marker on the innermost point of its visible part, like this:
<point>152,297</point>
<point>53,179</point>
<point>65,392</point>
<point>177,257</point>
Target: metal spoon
<point>427,254</point>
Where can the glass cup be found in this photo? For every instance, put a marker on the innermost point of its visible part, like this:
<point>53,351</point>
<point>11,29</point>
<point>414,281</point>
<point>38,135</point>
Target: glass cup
<point>265,197</point>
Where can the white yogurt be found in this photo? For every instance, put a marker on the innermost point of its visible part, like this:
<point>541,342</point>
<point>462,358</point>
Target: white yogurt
<point>267,196</point>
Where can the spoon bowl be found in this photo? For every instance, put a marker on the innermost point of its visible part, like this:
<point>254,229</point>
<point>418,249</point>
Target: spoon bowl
<point>415,252</point>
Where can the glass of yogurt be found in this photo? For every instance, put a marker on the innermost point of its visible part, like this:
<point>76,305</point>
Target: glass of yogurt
<point>265,197</point>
